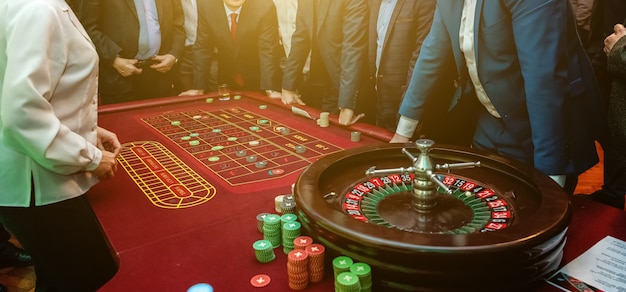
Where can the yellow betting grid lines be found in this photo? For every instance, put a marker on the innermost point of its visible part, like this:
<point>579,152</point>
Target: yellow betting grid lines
<point>175,186</point>
<point>237,112</point>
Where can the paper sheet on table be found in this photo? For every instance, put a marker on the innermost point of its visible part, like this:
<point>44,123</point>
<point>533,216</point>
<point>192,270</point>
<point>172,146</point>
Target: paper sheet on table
<point>301,112</point>
<point>600,268</point>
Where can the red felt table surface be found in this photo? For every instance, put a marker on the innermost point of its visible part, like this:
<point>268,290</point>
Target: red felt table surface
<point>176,219</point>
<point>207,237</point>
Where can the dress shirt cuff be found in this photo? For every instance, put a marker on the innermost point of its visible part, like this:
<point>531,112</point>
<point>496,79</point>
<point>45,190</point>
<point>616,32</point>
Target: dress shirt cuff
<point>406,126</point>
<point>95,161</point>
<point>559,179</point>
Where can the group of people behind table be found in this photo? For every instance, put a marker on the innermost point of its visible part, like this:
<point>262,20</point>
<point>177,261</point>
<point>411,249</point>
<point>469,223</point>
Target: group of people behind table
<point>496,75</point>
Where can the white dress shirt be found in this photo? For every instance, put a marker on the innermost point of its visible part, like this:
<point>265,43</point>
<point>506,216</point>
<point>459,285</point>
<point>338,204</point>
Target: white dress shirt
<point>229,12</point>
<point>190,9</point>
<point>286,11</point>
<point>48,103</point>
<point>466,39</point>
<point>382,26</point>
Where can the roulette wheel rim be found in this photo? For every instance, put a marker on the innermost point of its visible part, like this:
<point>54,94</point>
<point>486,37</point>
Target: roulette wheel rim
<point>531,246</point>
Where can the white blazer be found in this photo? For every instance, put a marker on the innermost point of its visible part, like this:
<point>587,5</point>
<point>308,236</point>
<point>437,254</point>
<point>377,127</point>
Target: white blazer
<point>48,103</point>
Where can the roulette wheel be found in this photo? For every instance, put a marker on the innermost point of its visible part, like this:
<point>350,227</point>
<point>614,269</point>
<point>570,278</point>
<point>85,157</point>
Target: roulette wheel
<point>430,217</point>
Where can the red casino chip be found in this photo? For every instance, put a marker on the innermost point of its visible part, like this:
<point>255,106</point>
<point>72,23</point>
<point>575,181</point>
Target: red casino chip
<point>260,280</point>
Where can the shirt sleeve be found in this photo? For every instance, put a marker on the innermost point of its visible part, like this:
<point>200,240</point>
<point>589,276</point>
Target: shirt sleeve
<point>406,126</point>
<point>37,61</point>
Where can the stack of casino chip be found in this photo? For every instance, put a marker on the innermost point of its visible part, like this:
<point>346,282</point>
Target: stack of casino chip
<point>290,231</point>
<point>285,218</point>
<point>341,264</point>
<point>301,242</point>
<point>364,272</point>
<point>298,269</point>
<point>278,200</point>
<point>288,205</point>
<point>271,229</point>
<point>264,251</point>
<point>316,262</point>
<point>288,218</point>
<point>347,282</point>
<point>260,218</point>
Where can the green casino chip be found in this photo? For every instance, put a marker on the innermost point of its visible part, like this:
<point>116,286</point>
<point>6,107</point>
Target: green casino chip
<point>214,158</point>
<point>347,281</point>
<point>288,218</point>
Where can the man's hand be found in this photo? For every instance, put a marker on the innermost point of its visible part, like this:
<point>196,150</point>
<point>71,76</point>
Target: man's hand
<point>346,117</point>
<point>610,41</point>
<point>273,94</point>
<point>291,97</point>
<point>164,63</point>
<point>126,67</point>
<point>399,139</point>
<point>192,92</point>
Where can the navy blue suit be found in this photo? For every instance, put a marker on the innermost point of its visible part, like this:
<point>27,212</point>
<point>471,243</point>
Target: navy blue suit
<point>535,73</point>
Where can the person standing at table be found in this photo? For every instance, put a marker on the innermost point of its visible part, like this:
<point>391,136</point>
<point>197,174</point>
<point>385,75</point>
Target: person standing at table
<point>183,76</point>
<point>51,141</point>
<point>245,34</point>
<point>525,88</point>
<point>583,10</point>
<point>397,29</point>
<point>614,186</point>
<point>138,41</point>
<point>287,11</point>
<point>334,32</point>
<point>11,255</point>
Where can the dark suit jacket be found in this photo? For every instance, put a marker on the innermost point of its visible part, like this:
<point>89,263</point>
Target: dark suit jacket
<point>409,24</point>
<point>114,28</point>
<point>256,54</point>
<point>336,32</point>
<point>536,75</point>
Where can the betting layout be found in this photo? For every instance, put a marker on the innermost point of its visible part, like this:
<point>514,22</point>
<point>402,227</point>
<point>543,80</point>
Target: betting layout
<point>165,180</point>
<point>238,145</point>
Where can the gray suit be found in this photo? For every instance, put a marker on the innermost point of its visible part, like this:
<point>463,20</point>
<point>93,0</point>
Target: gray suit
<point>334,31</point>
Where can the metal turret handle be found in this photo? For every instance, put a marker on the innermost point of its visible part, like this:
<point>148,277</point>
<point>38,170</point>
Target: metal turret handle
<point>424,180</point>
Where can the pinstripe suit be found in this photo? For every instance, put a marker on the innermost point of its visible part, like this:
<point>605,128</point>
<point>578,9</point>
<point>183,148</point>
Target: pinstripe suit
<point>409,24</point>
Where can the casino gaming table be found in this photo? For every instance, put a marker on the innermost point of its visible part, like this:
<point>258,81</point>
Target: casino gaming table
<point>180,212</point>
